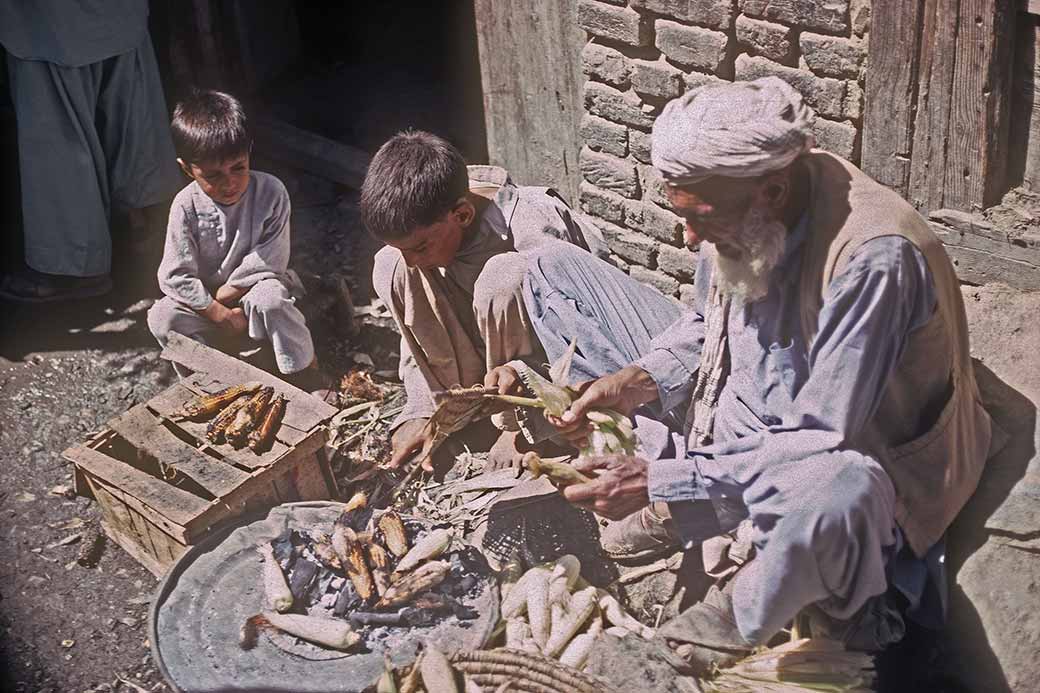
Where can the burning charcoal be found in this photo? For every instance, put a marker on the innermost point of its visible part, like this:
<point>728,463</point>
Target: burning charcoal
<point>465,613</point>
<point>464,585</point>
<point>283,549</point>
<point>301,578</point>
<point>414,617</point>
<point>348,599</point>
<point>368,618</point>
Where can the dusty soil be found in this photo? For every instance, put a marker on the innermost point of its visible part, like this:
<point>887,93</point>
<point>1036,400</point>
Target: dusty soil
<point>64,371</point>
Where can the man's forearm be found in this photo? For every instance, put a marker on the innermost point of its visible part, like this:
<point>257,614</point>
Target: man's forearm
<point>229,295</point>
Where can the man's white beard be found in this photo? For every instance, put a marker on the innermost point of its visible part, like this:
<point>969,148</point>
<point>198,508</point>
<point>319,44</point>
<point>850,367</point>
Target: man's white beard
<point>746,279</point>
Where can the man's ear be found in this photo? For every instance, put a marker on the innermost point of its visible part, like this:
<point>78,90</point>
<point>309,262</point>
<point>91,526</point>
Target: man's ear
<point>185,167</point>
<point>774,189</point>
<point>465,212</point>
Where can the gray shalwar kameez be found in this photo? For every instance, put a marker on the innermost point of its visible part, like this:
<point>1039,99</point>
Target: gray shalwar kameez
<point>93,129</point>
<point>245,245</point>
<point>822,515</point>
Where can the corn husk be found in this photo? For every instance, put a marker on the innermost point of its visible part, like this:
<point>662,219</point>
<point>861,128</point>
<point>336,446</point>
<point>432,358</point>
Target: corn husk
<point>800,666</point>
<point>429,547</point>
<point>279,596</point>
<point>333,633</point>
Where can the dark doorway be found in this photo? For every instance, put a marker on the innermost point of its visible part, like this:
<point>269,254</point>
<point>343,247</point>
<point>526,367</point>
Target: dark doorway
<point>368,70</point>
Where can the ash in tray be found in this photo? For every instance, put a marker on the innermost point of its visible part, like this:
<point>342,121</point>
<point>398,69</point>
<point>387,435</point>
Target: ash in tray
<point>366,582</point>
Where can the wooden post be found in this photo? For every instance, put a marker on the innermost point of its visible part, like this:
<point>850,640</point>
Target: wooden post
<point>980,105</point>
<point>1024,156</point>
<point>891,91</point>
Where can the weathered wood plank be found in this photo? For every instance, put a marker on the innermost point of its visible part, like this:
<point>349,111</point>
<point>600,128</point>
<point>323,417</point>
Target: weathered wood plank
<point>1030,6</point>
<point>979,105</point>
<point>136,551</point>
<point>935,85</point>
<point>533,114</point>
<point>303,411</point>
<point>311,152</point>
<point>981,260</point>
<point>1024,155</point>
<point>156,496</point>
<point>140,428</point>
<point>891,91</point>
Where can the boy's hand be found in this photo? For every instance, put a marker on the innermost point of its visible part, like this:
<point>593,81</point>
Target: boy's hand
<point>230,319</point>
<point>622,391</point>
<point>505,379</point>
<point>236,321</point>
<point>229,295</point>
<point>410,438</point>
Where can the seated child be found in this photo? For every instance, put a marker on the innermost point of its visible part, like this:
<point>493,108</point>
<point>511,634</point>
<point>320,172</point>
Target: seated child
<point>224,266</point>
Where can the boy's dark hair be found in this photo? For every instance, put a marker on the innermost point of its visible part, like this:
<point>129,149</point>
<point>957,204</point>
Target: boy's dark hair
<point>210,126</point>
<point>414,179</point>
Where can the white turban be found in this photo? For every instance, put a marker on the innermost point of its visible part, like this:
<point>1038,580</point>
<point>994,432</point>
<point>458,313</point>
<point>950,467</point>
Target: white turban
<point>738,130</point>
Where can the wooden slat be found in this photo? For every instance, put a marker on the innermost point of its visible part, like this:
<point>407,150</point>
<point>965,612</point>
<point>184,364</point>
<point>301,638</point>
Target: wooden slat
<point>311,152</point>
<point>935,82</point>
<point>891,91</point>
<point>303,411</point>
<point>140,428</point>
<point>1024,167</point>
<point>137,552</point>
<point>979,105</point>
<point>155,496</point>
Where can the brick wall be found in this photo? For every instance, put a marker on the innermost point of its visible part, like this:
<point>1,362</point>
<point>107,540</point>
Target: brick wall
<point>642,53</point>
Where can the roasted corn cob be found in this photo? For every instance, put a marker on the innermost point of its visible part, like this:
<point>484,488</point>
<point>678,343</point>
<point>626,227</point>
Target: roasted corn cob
<point>218,427</point>
<point>248,417</point>
<point>423,578</point>
<point>379,562</point>
<point>431,546</point>
<point>351,552</point>
<point>262,437</point>
<point>393,533</point>
<point>559,473</point>
<point>207,406</point>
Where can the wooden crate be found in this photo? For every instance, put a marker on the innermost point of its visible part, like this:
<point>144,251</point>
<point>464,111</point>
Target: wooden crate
<point>162,486</point>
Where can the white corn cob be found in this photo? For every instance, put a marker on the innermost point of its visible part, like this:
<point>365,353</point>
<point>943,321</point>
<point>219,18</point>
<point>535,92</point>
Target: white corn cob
<point>432,545</point>
<point>618,631</point>
<point>517,630</point>
<point>515,603</point>
<point>564,574</point>
<point>436,671</point>
<point>617,616</point>
<point>277,592</point>
<point>578,650</point>
<point>581,606</point>
<point>538,614</point>
<point>330,632</point>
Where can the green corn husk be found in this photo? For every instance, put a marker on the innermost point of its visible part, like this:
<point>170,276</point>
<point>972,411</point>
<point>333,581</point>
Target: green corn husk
<point>801,666</point>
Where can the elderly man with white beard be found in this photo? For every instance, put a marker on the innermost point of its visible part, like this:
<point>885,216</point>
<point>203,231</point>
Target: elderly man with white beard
<point>819,394</point>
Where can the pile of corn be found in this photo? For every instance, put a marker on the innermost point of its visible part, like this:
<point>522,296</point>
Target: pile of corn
<point>552,611</point>
<point>799,666</point>
<point>239,415</point>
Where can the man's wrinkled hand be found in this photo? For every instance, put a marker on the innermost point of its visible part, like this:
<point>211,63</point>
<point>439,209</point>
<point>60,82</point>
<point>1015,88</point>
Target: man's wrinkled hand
<point>505,379</point>
<point>619,490</point>
<point>411,438</point>
<point>622,391</point>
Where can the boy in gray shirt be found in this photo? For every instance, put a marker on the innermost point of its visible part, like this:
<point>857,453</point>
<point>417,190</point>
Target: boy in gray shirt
<point>224,267</point>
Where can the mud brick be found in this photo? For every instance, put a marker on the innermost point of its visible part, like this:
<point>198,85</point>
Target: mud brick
<point>605,64</point>
<point>839,138</point>
<point>699,79</point>
<point>620,24</point>
<point>853,107</point>
<point>620,107</point>
<point>668,286</point>
<point>768,39</point>
<point>601,135</point>
<point>678,262</point>
<point>715,14</point>
<point>639,145</point>
<point>687,292</point>
<point>832,56</point>
<point>690,46</point>
<point>656,78</point>
<point>601,203</point>
<point>629,245</point>
<point>819,15</point>
<point>609,172</point>
<point>654,221</point>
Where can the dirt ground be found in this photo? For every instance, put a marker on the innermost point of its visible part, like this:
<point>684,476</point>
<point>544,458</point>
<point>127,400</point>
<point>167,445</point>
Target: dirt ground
<point>65,370</point>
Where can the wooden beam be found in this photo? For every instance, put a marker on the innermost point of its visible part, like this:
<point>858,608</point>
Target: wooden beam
<point>980,102</point>
<point>311,152</point>
<point>1029,6</point>
<point>891,91</point>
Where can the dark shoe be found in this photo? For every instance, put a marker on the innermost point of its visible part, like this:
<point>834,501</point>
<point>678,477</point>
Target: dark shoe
<point>30,286</point>
<point>705,636</point>
<point>314,381</point>
<point>641,536</point>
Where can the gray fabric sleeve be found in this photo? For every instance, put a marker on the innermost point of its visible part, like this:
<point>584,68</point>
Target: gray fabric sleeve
<point>420,400</point>
<point>885,293</point>
<point>269,257</point>
<point>179,270</point>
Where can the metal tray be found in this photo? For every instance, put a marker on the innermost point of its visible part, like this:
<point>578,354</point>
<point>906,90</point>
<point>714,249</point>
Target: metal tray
<point>215,586</point>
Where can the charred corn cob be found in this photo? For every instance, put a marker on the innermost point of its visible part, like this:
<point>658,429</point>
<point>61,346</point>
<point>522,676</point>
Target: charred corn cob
<point>423,578</point>
<point>393,533</point>
<point>334,633</point>
<point>207,406</point>
<point>218,427</point>
<point>248,417</point>
<point>322,548</point>
<point>262,437</point>
<point>351,552</point>
<point>379,561</point>
<point>432,545</point>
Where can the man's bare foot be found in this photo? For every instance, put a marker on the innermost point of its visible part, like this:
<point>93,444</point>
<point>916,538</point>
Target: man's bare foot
<point>504,453</point>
